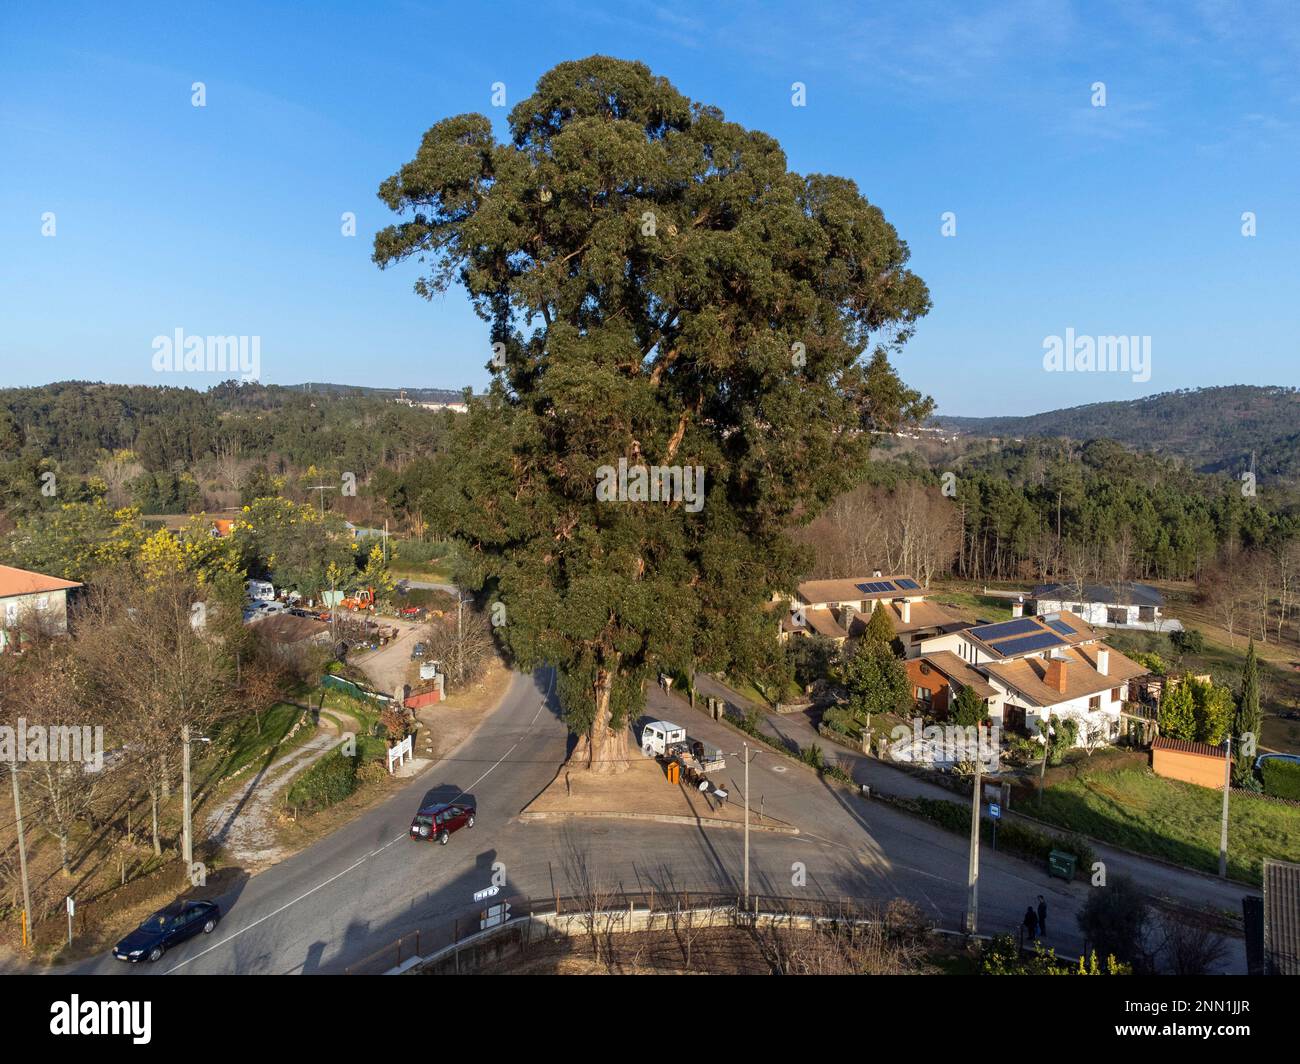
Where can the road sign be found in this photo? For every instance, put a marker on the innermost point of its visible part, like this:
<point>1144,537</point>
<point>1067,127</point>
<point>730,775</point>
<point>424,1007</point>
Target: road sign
<point>488,892</point>
<point>995,811</point>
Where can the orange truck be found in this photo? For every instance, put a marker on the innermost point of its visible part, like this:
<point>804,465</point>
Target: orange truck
<point>363,600</point>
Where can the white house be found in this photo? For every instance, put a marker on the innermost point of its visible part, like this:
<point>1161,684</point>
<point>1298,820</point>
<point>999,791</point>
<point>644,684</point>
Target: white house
<point>1122,604</point>
<point>32,599</point>
<point>1039,667</point>
<point>838,609</point>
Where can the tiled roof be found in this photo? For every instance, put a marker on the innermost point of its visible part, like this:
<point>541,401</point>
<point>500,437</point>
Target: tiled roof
<point>1121,593</point>
<point>958,671</point>
<point>1028,676</point>
<point>846,589</point>
<point>1281,917</point>
<point>823,622</point>
<point>1186,746</point>
<point>21,582</point>
<point>920,615</point>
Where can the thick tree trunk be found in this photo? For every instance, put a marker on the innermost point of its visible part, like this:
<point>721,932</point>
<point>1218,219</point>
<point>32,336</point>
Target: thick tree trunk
<point>602,750</point>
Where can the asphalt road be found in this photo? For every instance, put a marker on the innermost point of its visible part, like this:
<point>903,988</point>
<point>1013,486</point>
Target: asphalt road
<point>364,886</point>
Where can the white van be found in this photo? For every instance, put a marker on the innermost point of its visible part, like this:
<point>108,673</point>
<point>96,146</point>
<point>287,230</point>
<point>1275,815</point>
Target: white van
<point>260,590</point>
<point>658,736</point>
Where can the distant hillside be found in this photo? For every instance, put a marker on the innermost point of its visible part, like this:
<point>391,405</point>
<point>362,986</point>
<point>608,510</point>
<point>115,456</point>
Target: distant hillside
<point>419,395</point>
<point>1212,429</point>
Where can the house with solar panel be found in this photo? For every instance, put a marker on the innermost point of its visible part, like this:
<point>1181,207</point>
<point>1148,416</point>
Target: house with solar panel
<point>1122,604</point>
<point>839,610</point>
<point>1029,669</point>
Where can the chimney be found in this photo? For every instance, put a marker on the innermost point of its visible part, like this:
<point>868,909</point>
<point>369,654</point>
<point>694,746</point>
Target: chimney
<point>905,608</point>
<point>1055,677</point>
<point>1018,608</point>
<point>1103,661</point>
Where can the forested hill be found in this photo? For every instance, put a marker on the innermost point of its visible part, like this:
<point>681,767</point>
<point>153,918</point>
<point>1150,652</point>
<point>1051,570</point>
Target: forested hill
<point>74,423</point>
<point>1212,429</point>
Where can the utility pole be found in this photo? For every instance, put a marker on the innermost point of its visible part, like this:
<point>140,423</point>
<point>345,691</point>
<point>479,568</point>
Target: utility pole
<point>187,825</point>
<point>746,756</point>
<point>1223,830</point>
<point>187,828</point>
<point>973,872</point>
<point>460,639</point>
<point>28,938</point>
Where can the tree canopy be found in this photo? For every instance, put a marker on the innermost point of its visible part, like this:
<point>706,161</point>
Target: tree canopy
<point>663,289</point>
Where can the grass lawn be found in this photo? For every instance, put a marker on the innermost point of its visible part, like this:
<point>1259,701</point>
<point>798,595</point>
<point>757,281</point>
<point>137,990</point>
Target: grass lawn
<point>973,606</point>
<point>1176,821</point>
<point>242,743</point>
<point>430,573</point>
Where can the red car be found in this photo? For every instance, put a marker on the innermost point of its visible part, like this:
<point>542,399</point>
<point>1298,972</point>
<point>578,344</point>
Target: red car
<point>412,611</point>
<point>439,821</point>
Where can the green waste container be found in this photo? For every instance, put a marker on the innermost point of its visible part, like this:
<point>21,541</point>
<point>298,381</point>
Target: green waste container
<point>1060,863</point>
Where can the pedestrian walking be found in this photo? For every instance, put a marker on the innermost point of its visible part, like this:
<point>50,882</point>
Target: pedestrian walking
<point>1030,924</point>
<point>1042,916</point>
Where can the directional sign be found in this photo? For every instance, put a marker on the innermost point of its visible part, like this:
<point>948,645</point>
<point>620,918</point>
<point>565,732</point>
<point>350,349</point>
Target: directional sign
<point>995,811</point>
<point>72,906</point>
<point>488,892</point>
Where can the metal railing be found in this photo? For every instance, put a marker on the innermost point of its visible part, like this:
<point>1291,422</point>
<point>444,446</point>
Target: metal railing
<point>427,941</point>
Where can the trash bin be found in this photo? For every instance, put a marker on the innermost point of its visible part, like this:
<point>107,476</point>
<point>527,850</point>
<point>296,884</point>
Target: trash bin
<point>1060,863</point>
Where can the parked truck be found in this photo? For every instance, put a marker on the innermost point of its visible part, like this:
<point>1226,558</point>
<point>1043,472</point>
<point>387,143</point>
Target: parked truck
<point>666,741</point>
<point>363,600</point>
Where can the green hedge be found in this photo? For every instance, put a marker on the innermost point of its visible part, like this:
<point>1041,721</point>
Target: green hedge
<point>1014,837</point>
<point>329,780</point>
<point>1281,778</point>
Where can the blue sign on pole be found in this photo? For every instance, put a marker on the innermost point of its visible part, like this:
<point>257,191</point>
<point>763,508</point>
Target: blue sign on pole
<point>995,810</point>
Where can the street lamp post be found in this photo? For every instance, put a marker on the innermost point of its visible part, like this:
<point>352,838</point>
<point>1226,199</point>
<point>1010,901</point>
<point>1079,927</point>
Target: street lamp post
<point>187,829</point>
<point>1223,829</point>
<point>746,756</point>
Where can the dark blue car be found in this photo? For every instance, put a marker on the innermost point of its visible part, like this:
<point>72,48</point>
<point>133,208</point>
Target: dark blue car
<point>166,928</point>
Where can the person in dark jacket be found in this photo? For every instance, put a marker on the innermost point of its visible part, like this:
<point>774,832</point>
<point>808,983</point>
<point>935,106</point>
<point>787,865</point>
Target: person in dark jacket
<point>1030,924</point>
<point>1042,916</point>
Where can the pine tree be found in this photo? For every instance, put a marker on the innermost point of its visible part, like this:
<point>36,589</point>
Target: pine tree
<point>968,708</point>
<point>1247,720</point>
<point>879,628</point>
<point>659,288</point>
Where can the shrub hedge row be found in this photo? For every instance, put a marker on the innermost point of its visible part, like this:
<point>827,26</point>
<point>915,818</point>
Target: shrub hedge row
<point>1281,778</point>
<point>329,780</point>
<point>1014,837</point>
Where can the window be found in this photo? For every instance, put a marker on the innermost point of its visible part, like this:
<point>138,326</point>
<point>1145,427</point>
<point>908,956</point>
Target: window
<point>1094,703</point>
<point>1146,613</point>
<point>924,696</point>
<point>1117,614</point>
<point>1116,694</point>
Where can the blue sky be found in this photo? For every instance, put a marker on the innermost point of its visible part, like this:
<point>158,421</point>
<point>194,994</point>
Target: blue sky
<point>225,219</point>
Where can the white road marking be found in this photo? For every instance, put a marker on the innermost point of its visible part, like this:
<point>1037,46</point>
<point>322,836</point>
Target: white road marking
<point>230,938</point>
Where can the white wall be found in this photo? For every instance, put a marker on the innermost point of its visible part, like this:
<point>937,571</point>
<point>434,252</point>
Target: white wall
<point>1075,707</point>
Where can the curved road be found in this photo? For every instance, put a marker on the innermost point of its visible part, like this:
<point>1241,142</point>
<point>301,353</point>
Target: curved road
<point>364,886</point>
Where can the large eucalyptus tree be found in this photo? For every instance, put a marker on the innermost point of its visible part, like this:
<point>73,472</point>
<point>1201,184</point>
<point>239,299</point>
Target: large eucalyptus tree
<point>660,287</point>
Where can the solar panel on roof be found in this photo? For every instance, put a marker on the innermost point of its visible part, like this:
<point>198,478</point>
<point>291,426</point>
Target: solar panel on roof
<point>909,585</point>
<point>1025,644</point>
<point>1005,629</point>
<point>876,587</point>
<point>1061,627</point>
